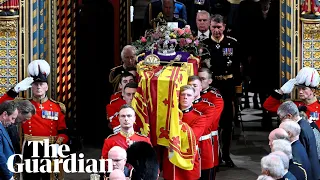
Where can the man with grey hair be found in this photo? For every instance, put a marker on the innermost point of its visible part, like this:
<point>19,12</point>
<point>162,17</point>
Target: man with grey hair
<point>285,160</point>
<point>277,133</point>
<point>298,151</point>
<point>118,155</point>
<point>272,165</point>
<point>289,111</point>
<point>203,24</point>
<point>128,58</point>
<point>295,168</point>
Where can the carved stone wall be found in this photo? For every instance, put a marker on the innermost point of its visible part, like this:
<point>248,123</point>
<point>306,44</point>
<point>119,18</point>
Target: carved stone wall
<point>8,52</point>
<point>310,43</point>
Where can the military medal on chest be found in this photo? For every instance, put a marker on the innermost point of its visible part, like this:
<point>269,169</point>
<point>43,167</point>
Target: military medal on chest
<point>49,115</point>
<point>227,51</point>
<point>218,46</point>
<point>314,116</point>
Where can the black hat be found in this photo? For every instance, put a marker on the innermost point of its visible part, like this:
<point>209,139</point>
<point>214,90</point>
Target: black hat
<point>39,70</point>
<point>143,158</point>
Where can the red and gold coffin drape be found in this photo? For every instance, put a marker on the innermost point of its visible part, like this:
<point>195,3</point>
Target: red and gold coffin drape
<point>157,110</point>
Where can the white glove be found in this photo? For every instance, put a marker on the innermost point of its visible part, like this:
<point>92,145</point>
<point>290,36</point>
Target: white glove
<point>288,86</point>
<point>23,85</point>
<point>12,178</point>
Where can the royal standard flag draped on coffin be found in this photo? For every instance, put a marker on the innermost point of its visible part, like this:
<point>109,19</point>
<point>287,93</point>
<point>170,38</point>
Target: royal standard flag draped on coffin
<point>158,115</point>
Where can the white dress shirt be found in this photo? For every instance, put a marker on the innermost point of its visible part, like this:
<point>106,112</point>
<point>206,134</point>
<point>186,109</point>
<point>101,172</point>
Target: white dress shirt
<point>204,36</point>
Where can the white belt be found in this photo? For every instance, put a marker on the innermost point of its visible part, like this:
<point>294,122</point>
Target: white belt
<point>205,137</point>
<point>214,133</point>
<point>208,136</point>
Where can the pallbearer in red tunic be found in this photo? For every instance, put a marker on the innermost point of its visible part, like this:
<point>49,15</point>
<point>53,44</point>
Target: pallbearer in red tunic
<point>114,107</point>
<point>49,120</point>
<point>125,78</point>
<point>127,136</point>
<point>205,141</point>
<point>307,81</point>
<point>197,122</point>
<point>212,95</point>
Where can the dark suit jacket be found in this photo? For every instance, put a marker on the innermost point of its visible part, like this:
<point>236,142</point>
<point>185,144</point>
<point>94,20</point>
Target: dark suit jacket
<point>192,10</point>
<point>288,176</point>
<point>6,150</point>
<point>14,136</point>
<point>300,156</point>
<point>195,33</point>
<point>297,170</point>
<point>308,140</point>
<point>156,8</point>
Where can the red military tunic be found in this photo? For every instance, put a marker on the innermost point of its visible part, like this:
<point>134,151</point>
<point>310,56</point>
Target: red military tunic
<point>120,139</point>
<point>205,141</point>
<point>273,102</point>
<point>48,121</point>
<point>212,95</point>
<point>197,122</point>
<point>112,113</point>
<point>115,95</point>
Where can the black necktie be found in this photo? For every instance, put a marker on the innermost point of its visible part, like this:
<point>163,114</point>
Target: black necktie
<point>202,36</point>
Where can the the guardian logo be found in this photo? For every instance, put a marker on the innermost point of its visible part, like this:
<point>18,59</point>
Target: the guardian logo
<point>71,163</point>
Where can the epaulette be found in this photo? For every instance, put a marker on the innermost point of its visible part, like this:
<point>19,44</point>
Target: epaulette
<point>232,38</point>
<point>216,92</point>
<point>182,20</point>
<point>113,100</point>
<point>206,101</point>
<point>62,106</point>
<point>198,112</point>
<point>139,134</point>
<point>111,136</point>
<point>115,68</point>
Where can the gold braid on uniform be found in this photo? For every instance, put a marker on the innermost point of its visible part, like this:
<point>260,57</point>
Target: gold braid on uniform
<point>115,82</point>
<point>183,21</point>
